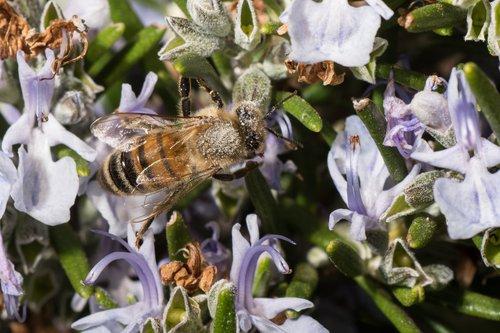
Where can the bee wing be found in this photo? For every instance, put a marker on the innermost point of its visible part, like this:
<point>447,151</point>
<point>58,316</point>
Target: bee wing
<point>125,131</point>
<point>173,194</point>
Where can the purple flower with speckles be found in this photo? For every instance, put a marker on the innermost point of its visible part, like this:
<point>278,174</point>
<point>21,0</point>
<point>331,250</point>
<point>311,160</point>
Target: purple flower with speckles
<point>258,312</point>
<point>355,155</point>
<point>473,205</point>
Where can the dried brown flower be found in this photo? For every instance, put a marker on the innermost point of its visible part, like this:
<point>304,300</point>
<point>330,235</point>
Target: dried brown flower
<point>312,73</point>
<point>193,275</point>
<point>17,35</point>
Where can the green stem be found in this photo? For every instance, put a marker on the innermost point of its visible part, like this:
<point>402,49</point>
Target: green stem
<point>262,199</point>
<point>396,315</point>
<point>177,237</point>
<point>368,113</point>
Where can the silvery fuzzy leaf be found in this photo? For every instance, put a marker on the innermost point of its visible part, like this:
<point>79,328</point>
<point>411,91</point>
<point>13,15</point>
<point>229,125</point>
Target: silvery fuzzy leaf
<point>246,31</point>
<point>152,326</point>
<point>419,193</point>
<point>51,11</point>
<point>182,314</point>
<point>189,39</point>
<point>441,275</point>
<point>447,138</point>
<point>367,72</point>
<point>490,248</point>
<point>400,267</point>
<point>274,62</point>
<point>253,86</point>
<point>210,15</point>
<point>478,20</point>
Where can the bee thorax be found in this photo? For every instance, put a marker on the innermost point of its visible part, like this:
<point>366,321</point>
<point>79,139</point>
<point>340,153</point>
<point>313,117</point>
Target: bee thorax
<point>221,141</point>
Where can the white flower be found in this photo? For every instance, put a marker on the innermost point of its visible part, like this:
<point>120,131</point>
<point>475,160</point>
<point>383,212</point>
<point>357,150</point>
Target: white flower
<point>95,12</point>
<point>333,30</point>
<point>473,205</point>
<point>44,189</point>
<point>355,155</point>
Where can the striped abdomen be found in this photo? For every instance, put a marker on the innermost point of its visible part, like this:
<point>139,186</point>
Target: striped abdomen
<point>153,165</point>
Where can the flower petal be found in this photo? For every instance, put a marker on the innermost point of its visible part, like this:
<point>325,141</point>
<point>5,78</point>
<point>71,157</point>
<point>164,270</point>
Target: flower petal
<point>8,176</point>
<point>271,307</point>
<point>123,315</point>
<point>331,30</point>
<point>9,112</point>
<point>18,133</point>
<point>265,325</point>
<point>57,134</point>
<point>472,205</point>
<point>45,189</point>
<point>240,247</point>
<point>130,103</point>
<point>453,158</point>
<point>338,215</point>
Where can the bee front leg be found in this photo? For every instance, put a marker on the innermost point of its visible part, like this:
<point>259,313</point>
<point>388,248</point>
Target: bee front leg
<point>184,91</point>
<point>227,177</point>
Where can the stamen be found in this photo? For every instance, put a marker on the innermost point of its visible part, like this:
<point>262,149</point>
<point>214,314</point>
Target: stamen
<point>354,200</point>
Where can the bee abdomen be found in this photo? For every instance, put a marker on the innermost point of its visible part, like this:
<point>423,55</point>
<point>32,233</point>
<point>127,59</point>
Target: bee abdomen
<point>118,175</point>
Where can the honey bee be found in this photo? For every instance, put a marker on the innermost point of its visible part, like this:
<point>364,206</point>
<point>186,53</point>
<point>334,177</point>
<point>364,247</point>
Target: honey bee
<point>175,154</point>
<point>17,35</point>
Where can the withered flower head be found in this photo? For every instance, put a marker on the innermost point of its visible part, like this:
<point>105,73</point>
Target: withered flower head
<point>17,35</point>
<point>194,274</point>
<point>311,73</point>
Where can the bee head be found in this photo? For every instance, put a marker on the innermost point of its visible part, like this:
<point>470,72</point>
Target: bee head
<point>252,127</point>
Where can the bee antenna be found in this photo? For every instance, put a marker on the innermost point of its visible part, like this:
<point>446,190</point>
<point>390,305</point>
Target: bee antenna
<point>293,143</point>
<point>279,104</point>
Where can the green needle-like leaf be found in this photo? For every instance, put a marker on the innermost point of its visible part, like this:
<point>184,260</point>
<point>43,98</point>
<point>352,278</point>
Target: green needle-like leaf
<point>225,314</point>
<point>262,199</point>
<point>405,77</point>
<point>73,260</point>
<point>104,41</point>
<point>122,11</point>
<point>177,237</point>
<point>486,94</point>
<point>145,41</point>
<point>301,110</point>
<point>434,16</point>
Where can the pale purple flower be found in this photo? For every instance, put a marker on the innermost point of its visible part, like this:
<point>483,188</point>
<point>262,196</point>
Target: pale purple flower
<point>95,12</point>
<point>44,189</point>
<point>355,155</point>
<point>258,312</point>
<point>214,252</point>
<point>10,284</point>
<point>128,318</point>
<point>404,129</point>
<point>472,205</point>
<point>129,102</point>
<point>8,176</point>
<point>333,30</point>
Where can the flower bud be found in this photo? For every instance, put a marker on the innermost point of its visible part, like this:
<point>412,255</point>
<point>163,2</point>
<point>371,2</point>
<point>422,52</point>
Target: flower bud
<point>431,108</point>
<point>345,258</point>
<point>421,232</point>
<point>409,296</point>
<point>210,15</point>
<point>246,32</point>
<point>182,313</point>
<point>253,86</point>
<point>189,39</point>
<point>70,108</point>
<point>419,193</point>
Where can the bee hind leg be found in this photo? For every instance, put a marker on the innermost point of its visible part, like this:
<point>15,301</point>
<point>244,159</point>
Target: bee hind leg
<point>249,166</point>
<point>213,94</point>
